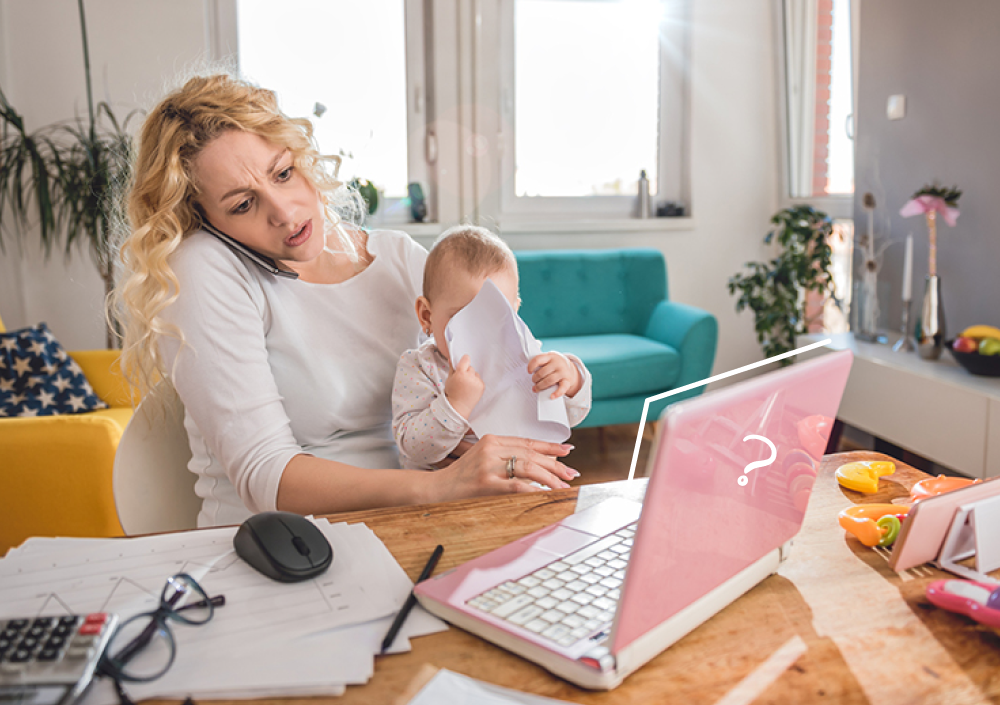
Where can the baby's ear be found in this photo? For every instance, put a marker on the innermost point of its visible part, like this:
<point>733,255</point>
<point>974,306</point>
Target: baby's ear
<point>423,309</point>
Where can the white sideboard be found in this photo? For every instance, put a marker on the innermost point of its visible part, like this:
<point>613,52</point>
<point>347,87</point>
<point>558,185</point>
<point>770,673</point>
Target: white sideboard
<point>935,409</point>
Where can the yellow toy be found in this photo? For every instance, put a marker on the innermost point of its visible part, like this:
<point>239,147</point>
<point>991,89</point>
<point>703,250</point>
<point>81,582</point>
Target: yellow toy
<point>874,524</point>
<point>863,475</point>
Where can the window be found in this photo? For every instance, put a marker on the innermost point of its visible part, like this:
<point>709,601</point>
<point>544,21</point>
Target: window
<point>817,66</point>
<point>818,97</point>
<point>592,94</point>
<point>501,109</point>
<point>343,64</point>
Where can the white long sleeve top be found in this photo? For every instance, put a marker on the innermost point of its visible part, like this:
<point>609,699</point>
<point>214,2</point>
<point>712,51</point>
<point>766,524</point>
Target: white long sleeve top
<point>272,367</point>
<point>426,425</point>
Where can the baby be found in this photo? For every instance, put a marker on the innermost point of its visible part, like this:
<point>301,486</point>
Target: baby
<point>431,401</point>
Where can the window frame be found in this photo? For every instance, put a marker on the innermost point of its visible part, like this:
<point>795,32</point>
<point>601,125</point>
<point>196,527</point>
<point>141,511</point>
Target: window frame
<point>454,93</point>
<point>836,206</point>
<point>223,45</point>
<point>673,166</point>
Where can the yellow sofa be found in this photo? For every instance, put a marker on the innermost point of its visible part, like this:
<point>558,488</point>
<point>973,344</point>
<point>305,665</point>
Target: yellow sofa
<point>55,471</point>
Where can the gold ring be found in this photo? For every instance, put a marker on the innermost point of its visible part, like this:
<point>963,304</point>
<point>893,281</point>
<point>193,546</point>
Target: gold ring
<point>510,466</point>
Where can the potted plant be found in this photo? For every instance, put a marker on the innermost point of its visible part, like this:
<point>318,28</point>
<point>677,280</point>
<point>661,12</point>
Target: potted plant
<point>777,291</point>
<point>68,176</point>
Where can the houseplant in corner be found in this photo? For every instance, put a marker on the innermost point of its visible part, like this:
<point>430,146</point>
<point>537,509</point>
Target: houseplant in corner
<point>776,291</point>
<point>67,176</point>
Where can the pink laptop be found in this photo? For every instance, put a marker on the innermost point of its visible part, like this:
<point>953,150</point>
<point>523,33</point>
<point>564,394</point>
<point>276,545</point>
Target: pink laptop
<point>595,596</point>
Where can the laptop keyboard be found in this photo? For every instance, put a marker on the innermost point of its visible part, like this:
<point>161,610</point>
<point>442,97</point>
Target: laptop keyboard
<point>569,599</point>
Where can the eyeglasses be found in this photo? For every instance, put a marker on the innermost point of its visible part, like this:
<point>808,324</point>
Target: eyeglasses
<point>143,648</point>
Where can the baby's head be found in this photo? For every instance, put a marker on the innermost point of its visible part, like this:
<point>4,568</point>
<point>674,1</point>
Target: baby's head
<point>459,263</point>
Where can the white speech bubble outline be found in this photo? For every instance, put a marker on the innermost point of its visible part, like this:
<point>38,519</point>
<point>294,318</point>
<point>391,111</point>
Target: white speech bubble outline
<point>745,368</point>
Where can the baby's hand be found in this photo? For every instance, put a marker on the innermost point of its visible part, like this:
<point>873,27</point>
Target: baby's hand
<point>554,369</point>
<point>464,388</point>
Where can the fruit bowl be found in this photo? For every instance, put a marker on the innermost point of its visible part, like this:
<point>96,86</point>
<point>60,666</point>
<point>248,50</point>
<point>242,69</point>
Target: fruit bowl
<point>977,364</point>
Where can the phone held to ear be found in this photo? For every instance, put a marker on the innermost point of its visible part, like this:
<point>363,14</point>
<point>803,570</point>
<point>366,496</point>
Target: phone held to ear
<point>262,261</point>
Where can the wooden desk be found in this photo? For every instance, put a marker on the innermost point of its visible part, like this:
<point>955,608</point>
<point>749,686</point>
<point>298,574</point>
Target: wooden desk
<point>869,634</point>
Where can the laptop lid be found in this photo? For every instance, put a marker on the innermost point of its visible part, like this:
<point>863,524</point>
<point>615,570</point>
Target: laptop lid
<point>730,477</point>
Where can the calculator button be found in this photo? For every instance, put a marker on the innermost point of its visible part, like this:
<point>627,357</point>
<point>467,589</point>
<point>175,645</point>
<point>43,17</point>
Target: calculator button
<point>74,652</point>
<point>83,640</point>
<point>89,629</point>
<point>29,643</point>
<point>43,622</point>
<point>62,630</point>
<point>48,654</point>
<point>5,645</point>
<point>10,633</point>
<point>20,655</point>
<point>96,618</point>
<point>69,620</point>
<point>36,632</point>
<point>17,624</point>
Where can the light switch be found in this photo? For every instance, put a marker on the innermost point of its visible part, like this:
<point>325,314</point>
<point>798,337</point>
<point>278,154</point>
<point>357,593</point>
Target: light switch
<point>896,109</point>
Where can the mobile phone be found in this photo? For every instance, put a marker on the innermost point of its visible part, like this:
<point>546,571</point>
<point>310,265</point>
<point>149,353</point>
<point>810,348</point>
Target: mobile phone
<point>262,261</point>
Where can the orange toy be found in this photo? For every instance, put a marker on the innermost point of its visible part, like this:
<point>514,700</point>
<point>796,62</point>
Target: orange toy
<point>873,524</point>
<point>933,486</point>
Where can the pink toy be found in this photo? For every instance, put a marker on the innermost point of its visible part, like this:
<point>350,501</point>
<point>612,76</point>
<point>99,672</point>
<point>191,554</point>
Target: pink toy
<point>980,601</point>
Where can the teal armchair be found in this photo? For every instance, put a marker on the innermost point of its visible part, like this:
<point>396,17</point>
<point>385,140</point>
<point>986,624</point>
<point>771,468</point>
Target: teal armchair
<point>610,308</point>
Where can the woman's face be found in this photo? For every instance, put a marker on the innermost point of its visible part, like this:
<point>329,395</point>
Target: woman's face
<point>251,191</point>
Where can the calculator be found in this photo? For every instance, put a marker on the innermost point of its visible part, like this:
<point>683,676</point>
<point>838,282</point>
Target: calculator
<point>51,660</point>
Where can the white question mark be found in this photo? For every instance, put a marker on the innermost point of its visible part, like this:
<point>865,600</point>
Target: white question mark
<point>743,479</point>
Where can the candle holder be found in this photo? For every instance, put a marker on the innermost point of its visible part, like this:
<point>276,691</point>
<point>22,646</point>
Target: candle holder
<point>905,342</point>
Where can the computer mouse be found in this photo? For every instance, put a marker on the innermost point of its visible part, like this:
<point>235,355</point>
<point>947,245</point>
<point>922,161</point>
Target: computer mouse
<point>283,546</point>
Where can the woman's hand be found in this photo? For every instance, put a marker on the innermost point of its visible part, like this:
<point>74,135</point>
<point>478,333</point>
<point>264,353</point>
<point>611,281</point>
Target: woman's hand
<point>485,468</point>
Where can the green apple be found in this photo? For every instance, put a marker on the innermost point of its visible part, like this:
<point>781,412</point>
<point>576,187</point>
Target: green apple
<point>989,346</point>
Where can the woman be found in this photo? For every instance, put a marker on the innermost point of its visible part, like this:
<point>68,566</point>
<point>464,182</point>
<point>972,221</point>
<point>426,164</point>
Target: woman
<point>283,352</point>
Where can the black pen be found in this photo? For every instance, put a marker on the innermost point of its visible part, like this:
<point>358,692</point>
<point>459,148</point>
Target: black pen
<point>411,600</point>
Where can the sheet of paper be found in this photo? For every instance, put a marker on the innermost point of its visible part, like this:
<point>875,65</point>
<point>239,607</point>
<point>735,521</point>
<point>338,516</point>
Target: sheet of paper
<point>303,638</point>
<point>499,346</point>
<point>450,688</point>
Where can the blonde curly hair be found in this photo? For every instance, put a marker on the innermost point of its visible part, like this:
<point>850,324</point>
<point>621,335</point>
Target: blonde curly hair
<point>162,207</point>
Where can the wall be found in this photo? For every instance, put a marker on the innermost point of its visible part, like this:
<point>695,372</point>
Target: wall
<point>942,56</point>
<point>135,50</point>
<point>137,46</point>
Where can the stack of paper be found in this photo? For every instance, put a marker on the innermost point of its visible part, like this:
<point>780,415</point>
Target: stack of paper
<point>308,638</point>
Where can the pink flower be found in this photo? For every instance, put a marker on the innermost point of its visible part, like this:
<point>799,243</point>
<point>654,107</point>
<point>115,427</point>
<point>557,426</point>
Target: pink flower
<point>928,204</point>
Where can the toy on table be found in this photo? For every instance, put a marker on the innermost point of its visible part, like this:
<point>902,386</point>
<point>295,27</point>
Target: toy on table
<point>874,524</point>
<point>933,486</point>
<point>863,475</point>
<point>977,600</point>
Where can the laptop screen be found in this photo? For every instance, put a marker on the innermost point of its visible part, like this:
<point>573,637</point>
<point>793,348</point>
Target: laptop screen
<point>730,479</point>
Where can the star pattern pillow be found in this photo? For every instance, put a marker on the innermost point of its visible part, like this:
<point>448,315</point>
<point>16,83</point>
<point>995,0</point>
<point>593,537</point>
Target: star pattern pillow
<point>39,378</point>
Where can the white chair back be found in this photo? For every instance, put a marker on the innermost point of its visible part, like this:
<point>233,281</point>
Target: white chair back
<point>154,490</point>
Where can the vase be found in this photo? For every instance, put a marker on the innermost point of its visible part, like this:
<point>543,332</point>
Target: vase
<point>929,330</point>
